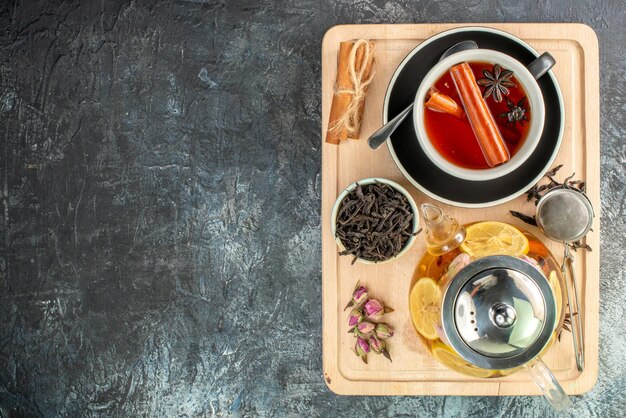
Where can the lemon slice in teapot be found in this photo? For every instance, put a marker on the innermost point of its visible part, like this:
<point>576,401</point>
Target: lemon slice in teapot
<point>449,358</point>
<point>491,238</point>
<point>425,303</point>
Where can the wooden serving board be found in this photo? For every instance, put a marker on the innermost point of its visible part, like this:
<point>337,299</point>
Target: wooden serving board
<point>414,371</point>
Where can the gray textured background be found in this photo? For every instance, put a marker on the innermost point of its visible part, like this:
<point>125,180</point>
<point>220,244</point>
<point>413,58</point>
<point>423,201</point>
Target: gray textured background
<point>160,200</point>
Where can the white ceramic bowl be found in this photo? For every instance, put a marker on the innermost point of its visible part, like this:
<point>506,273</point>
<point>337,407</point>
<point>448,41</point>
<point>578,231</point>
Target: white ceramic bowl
<point>394,185</point>
<point>535,100</point>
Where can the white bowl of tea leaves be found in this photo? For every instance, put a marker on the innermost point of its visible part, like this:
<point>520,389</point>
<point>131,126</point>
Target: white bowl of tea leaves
<point>374,221</point>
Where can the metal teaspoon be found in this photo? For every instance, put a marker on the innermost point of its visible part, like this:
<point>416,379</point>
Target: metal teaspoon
<point>381,135</point>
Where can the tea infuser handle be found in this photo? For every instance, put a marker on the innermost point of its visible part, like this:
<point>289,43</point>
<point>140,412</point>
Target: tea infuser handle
<point>577,327</point>
<point>541,65</point>
<point>551,389</point>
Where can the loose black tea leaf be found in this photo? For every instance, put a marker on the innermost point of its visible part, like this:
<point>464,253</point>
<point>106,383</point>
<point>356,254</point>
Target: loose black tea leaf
<point>528,219</point>
<point>553,171</point>
<point>567,323</point>
<point>578,244</point>
<point>536,192</point>
<point>374,222</point>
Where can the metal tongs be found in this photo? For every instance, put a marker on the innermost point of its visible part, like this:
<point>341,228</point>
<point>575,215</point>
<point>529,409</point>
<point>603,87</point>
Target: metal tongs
<point>565,214</point>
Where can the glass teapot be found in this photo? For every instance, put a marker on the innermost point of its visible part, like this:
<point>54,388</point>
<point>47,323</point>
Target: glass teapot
<point>490,310</point>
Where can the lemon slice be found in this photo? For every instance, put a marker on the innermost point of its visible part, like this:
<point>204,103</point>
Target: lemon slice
<point>556,288</point>
<point>425,303</point>
<point>494,238</point>
<point>449,358</point>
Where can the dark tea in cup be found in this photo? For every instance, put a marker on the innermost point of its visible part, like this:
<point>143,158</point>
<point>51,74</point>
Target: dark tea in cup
<point>453,137</point>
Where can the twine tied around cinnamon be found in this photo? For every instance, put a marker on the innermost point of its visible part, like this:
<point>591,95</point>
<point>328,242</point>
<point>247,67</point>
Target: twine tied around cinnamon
<point>353,78</point>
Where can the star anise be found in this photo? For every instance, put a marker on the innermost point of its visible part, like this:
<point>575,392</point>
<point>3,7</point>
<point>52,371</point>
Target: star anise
<point>496,82</point>
<point>516,113</point>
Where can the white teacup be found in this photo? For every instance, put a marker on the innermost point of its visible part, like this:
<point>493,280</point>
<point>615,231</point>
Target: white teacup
<point>525,75</point>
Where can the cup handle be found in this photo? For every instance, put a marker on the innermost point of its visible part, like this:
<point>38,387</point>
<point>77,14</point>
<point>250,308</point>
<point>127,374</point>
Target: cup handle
<point>541,65</point>
<point>551,389</point>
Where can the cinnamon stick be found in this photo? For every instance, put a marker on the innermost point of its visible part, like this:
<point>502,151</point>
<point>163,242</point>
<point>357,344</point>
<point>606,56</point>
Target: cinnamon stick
<point>353,76</point>
<point>367,73</point>
<point>481,119</point>
<point>440,102</point>
<point>341,100</point>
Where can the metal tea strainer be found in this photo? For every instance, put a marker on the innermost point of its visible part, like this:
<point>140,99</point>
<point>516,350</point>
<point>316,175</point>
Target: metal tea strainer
<point>565,214</point>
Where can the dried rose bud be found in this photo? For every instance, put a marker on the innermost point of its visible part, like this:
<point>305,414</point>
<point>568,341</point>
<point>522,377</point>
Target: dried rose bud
<point>356,316</point>
<point>377,344</point>
<point>375,310</point>
<point>383,330</point>
<point>358,297</point>
<point>362,345</point>
<point>361,348</point>
<point>365,328</point>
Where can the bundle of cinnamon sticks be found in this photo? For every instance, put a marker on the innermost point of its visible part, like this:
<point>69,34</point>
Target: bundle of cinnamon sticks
<point>355,65</point>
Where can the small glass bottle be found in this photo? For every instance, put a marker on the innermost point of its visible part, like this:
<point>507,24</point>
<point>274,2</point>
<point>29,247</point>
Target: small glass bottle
<point>443,233</point>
